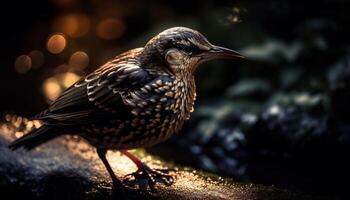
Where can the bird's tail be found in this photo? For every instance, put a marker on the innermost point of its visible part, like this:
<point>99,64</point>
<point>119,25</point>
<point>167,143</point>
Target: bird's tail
<point>34,138</point>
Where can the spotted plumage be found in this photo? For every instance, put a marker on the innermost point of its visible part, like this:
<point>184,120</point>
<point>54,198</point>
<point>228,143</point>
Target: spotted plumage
<point>137,99</point>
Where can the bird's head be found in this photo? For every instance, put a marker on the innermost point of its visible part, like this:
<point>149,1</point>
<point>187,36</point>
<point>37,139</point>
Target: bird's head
<point>181,49</point>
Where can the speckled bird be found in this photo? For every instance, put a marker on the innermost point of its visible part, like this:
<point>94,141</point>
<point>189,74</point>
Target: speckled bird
<point>137,99</point>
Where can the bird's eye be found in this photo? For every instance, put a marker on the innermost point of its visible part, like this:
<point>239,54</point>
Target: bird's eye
<point>173,57</point>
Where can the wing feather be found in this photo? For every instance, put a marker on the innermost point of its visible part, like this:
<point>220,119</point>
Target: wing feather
<point>99,95</point>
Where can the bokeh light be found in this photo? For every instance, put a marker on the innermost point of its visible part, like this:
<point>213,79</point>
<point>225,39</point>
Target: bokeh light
<point>23,64</point>
<point>52,89</point>
<point>79,60</point>
<point>19,134</point>
<point>37,58</point>
<point>110,28</point>
<point>56,43</point>
<point>55,85</point>
<point>69,79</point>
<point>73,25</point>
<point>236,15</point>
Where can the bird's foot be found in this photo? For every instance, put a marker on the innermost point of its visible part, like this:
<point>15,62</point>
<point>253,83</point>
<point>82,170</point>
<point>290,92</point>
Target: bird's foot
<point>145,177</point>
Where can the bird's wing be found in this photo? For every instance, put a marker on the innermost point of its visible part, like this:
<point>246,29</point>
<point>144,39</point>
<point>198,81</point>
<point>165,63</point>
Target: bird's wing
<point>97,96</point>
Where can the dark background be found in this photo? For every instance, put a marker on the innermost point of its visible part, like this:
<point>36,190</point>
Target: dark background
<point>280,117</point>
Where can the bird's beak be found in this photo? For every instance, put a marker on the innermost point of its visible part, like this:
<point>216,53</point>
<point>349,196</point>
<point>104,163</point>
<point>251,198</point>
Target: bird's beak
<point>217,52</point>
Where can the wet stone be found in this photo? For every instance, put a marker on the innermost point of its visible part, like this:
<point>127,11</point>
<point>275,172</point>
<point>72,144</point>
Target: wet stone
<point>68,168</point>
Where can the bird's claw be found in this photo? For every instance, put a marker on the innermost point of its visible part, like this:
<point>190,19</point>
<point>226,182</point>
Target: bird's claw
<point>146,177</point>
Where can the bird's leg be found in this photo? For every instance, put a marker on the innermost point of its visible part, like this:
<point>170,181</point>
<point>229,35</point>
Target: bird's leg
<point>152,176</point>
<point>102,154</point>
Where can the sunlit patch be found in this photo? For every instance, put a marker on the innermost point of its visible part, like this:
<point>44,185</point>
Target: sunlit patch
<point>69,79</point>
<point>73,25</point>
<point>79,60</point>
<point>23,64</point>
<point>110,28</point>
<point>56,43</point>
<point>52,89</point>
<point>37,58</point>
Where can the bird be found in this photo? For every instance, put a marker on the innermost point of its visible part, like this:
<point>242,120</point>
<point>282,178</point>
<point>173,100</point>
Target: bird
<point>135,100</point>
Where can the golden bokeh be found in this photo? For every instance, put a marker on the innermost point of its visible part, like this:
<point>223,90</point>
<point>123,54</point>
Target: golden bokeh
<point>37,58</point>
<point>56,43</point>
<point>19,134</point>
<point>69,79</point>
<point>54,86</point>
<point>79,60</point>
<point>52,89</point>
<point>37,123</point>
<point>73,25</point>
<point>23,64</point>
<point>110,28</point>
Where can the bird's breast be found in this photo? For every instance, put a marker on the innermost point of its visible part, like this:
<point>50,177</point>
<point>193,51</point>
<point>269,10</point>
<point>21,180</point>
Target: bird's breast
<point>165,98</point>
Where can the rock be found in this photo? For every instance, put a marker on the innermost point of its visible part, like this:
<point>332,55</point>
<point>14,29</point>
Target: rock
<point>292,144</point>
<point>68,168</point>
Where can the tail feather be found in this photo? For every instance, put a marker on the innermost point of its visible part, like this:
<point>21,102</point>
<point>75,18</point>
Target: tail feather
<point>34,138</point>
